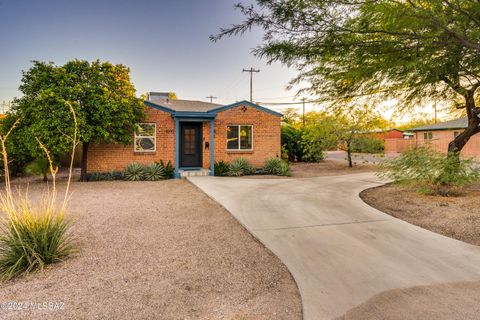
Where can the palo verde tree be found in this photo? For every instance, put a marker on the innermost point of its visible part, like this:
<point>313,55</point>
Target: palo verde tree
<point>101,94</point>
<point>411,50</point>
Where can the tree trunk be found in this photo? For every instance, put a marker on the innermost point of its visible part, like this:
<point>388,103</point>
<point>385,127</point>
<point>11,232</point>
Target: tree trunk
<point>457,144</point>
<point>83,173</point>
<point>349,155</point>
<point>45,178</point>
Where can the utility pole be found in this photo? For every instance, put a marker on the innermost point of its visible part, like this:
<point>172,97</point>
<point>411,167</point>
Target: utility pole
<point>435,110</point>
<point>251,70</point>
<point>211,98</point>
<point>303,113</point>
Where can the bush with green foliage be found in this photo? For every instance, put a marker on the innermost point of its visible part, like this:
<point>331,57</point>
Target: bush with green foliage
<point>221,168</point>
<point>32,237</point>
<point>276,166</point>
<point>168,169</point>
<point>240,167</point>
<point>312,146</point>
<point>367,145</point>
<point>153,172</point>
<point>431,172</point>
<point>134,172</point>
<point>38,167</point>
<point>290,140</point>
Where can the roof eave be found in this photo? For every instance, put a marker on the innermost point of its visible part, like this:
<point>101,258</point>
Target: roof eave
<point>248,103</point>
<point>158,107</point>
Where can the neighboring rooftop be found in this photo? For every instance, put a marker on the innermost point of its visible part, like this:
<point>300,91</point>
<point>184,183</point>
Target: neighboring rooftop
<point>460,123</point>
<point>186,105</point>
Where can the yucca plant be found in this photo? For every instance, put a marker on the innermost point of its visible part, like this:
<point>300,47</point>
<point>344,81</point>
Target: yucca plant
<point>32,236</point>
<point>240,167</point>
<point>153,172</point>
<point>134,172</point>
<point>38,167</point>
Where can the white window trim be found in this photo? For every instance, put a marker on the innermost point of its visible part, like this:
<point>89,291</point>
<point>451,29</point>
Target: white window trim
<point>154,137</point>
<point>239,125</point>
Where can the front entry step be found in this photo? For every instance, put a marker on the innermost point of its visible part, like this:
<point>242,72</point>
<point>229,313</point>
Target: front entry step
<point>194,173</point>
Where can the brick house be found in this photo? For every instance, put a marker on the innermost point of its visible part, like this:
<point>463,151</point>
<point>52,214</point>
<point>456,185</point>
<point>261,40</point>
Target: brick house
<point>193,135</point>
<point>440,134</point>
<point>437,136</point>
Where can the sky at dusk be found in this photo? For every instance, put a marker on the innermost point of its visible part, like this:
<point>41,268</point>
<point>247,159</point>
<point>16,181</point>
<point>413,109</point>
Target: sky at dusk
<point>165,43</point>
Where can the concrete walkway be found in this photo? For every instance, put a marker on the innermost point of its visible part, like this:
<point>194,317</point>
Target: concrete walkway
<point>340,251</point>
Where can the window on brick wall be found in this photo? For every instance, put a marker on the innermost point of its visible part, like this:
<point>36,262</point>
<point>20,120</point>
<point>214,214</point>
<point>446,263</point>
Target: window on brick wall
<point>428,135</point>
<point>145,137</point>
<point>239,137</point>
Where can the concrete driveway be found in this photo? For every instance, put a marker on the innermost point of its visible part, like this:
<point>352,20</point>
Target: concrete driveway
<point>340,251</point>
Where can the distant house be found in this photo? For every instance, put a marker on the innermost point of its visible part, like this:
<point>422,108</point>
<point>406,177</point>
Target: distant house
<point>194,135</point>
<point>439,136</point>
<point>387,134</point>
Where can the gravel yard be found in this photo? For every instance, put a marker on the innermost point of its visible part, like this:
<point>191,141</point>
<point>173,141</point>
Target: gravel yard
<point>156,250</point>
<point>455,217</point>
<point>328,168</point>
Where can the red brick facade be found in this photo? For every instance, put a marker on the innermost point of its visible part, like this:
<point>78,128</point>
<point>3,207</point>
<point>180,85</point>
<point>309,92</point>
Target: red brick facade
<point>266,140</point>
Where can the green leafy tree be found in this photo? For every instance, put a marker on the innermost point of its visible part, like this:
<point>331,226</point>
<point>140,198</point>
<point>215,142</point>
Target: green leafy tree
<point>352,122</point>
<point>317,136</point>
<point>414,51</point>
<point>101,94</point>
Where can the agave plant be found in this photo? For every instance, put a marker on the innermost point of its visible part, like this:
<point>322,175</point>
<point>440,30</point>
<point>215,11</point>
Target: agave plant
<point>221,168</point>
<point>283,169</point>
<point>134,172</point>
<point>154,172</point>
<point>240,167</point>
<point>272,165</point>
<point>276,166</point>
<point>168,168</point>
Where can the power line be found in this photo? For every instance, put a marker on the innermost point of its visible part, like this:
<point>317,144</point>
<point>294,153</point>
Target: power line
<point>211,98</point>
<point>286,103</point>
<point>251,71</point>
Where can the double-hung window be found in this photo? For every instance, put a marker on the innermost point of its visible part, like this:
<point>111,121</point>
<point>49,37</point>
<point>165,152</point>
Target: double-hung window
<point>145,137</point>
<point>240,138</point>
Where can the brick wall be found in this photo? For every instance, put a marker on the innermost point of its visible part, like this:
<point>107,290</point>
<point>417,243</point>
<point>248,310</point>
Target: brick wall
<point>442,138</point>
<point>266,141</point>
<point>108,157</point>
<point>266,134</point>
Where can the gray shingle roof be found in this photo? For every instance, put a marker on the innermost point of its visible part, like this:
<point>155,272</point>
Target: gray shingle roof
<point>187,105</point>
<point>460,123</point>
